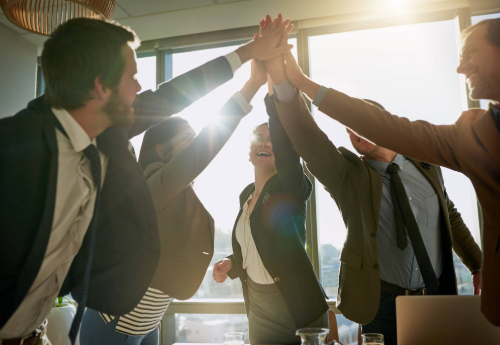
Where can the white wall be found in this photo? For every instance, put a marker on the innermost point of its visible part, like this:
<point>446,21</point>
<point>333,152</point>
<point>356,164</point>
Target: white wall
<point>17,71</point>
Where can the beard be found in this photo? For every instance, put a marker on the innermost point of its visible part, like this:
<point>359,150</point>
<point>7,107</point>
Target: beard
<point>487,88</point>
<point>119,112</point>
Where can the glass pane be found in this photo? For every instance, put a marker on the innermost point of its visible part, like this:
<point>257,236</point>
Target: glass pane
<point>220,185</point>
<point>208,328</point>
<point>348,330</point>
<point>146,76</point>
<point>475,20</point>
<point>411,71</point>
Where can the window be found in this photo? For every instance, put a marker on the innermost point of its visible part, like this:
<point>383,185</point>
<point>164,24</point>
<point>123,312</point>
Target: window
<point>474,21</point>
<point>411,71</point>
<point>208,328</point>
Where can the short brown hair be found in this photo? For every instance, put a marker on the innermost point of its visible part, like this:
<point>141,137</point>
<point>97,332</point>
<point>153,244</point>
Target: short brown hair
<point>79,51</point>
<point>493,30</point>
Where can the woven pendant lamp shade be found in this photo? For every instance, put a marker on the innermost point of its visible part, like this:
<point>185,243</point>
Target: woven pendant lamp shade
<point>43,16</point>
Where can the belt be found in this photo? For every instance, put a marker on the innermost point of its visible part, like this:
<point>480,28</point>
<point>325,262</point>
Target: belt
<point>399,291</point>
<point>31,339</point>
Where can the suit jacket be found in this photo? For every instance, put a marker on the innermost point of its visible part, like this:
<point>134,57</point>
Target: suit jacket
<point>356,187</point>
<point>469,146</point>
<point>127,248</point>
<point>278,229</point>
<point>185,226</point>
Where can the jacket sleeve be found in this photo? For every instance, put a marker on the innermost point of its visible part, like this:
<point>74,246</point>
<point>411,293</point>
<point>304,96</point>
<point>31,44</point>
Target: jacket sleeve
<point>233,273</point>
<point>323,159</point>
<point>287,161</point>
<point>417,139</point>
<point>171,97</point>
<point>464,245</point>
<point>176,175</point>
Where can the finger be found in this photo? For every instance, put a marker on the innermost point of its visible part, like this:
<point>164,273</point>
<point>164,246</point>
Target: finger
<point>280,18</point>
<point>255,36</point>
<point>289,28</point>
<point>262,27</point>
<point>284,39</point>
<point>269,21</point>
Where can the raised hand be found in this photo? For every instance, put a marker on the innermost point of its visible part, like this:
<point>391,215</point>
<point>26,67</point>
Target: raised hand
<point>268,46</point>
<point>293,71</point>
<point>276,66</point>
<point>258,75</point>
<point>220,270</point>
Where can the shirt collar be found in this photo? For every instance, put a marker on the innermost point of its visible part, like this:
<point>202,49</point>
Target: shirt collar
<point>76,135</point>
<point>381,167</point>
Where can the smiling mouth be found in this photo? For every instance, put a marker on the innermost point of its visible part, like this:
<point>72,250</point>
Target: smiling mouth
<point>263,154</point>
<point>471,78</point>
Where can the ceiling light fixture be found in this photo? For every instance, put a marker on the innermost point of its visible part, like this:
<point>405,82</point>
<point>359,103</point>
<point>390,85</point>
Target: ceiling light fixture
<point>43,16</point>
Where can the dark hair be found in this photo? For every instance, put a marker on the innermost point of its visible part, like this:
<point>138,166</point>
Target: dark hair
<point>374,103</point>
<point>79,51</point>
<point>162,134</point>
<point>493,30</point>
<point>258,126</point>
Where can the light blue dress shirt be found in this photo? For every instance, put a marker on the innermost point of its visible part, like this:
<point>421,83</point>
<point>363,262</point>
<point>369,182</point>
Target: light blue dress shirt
<point>398,266</point>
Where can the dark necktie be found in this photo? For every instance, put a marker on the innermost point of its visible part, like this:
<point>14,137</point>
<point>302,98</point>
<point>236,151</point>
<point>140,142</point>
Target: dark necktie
<point>95,163</point>
<point>405,219</point>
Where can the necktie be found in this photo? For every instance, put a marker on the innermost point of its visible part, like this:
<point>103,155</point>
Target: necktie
<point>405,218</point>
<point>95,163</point>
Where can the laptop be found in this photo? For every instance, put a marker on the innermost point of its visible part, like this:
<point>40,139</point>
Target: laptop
<point>443,320</point>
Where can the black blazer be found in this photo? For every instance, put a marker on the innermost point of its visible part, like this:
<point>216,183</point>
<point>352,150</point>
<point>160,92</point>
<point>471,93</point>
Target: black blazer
<point>127,248</point>
<point>278,229</point>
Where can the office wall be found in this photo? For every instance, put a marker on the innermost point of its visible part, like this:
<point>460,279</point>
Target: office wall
<point>17,71</point>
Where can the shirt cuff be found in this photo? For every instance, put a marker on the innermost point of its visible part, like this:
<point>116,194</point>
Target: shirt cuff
<point>320,95</point>
<point>242,102</point>
<point>234,61</point>
<point>284,92</point>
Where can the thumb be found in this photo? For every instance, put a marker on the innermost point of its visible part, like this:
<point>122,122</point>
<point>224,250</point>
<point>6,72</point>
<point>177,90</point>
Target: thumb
<point>282,49</point>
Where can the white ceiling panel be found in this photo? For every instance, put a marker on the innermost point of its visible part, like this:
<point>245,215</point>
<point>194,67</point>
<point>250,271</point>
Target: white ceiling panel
<point>119,13</point>
<point>143,7</point>
<point>226,1</point>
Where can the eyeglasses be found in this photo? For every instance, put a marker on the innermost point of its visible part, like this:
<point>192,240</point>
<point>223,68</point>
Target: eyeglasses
<point>258,139</point>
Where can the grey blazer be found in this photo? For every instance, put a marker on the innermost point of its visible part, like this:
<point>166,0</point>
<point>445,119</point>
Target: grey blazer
<point>185,226</point>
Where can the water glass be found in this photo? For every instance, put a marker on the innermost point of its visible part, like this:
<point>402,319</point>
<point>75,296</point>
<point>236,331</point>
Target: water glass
<point>234,338</point>
<point>372,339</point>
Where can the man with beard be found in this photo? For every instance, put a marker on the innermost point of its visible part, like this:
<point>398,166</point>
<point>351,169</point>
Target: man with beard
<point>470,146</point>
<point>76,214</point>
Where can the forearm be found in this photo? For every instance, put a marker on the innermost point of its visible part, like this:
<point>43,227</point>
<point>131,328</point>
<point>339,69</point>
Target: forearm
<point>249,90</point>
<point>418,139</point>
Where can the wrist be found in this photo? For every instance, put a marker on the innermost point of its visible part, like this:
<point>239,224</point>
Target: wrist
<point>245,52</point>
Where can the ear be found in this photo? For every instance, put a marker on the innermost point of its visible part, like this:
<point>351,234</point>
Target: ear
<point>101,93</point>
<point>159,151</point>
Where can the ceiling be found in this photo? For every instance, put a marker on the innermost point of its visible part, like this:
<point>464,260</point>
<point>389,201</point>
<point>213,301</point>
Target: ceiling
<point>156,19</point>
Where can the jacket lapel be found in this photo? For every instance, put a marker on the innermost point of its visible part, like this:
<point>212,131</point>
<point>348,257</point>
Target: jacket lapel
<point>432,176</point>
<point>376,184</point>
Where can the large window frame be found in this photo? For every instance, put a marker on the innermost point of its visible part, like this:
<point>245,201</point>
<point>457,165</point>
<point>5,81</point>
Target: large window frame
<point>165,48</point>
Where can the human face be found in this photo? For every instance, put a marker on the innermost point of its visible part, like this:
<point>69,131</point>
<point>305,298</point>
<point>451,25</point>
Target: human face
<point>480,63</point>
<point>363,146</point>
<point>184,137</point>
<point>120,105</point>
<point>261,149</point>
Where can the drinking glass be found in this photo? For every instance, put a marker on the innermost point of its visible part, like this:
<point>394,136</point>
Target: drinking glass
<point>234,338</point>
<point>313,336</point>
<point>372,339</point>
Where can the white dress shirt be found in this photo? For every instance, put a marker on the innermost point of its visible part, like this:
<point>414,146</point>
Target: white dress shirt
<point>74,207</point>
<point>251,258</point>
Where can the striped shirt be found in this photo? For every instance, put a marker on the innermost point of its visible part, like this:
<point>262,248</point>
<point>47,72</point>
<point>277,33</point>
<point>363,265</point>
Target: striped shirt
<point>145,317</point>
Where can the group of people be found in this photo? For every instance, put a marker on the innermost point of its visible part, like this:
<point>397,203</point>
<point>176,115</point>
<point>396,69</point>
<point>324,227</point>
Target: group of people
<point>80,214</point>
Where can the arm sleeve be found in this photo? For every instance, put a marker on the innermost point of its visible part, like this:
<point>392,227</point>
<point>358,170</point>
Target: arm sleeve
<point>287,161</point>
<point>323,159</point>
<point>417,139</point>
<point>173,96</point>
<point>177,174</point>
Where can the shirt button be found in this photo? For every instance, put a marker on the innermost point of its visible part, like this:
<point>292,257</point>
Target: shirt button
<point>375,266</point>
<point>277,279</point>
<point>409,198</point>
<point>416,269</point>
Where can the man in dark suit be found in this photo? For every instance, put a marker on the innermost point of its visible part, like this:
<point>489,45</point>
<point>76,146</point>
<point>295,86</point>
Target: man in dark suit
<point>469,146</point>
<point>75,210</point>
